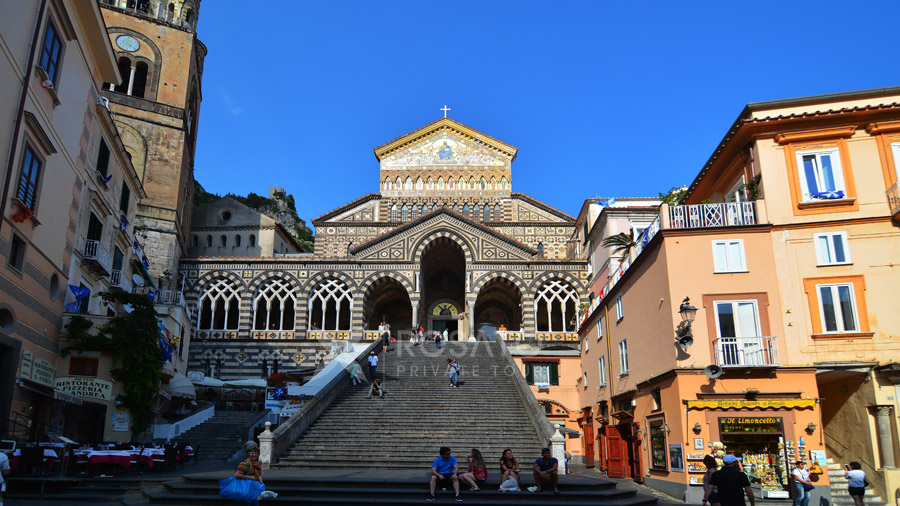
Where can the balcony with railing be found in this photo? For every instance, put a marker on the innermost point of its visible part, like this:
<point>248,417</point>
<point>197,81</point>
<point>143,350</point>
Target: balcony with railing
<point>164,297</point>
<point>118,280</point>
<point>97,255</point>
<point>723,214</point>
<point>893,197</point>
<point>746,351</point>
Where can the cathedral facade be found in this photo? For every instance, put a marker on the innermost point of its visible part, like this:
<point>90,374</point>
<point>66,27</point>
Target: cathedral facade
<point>445,244</point>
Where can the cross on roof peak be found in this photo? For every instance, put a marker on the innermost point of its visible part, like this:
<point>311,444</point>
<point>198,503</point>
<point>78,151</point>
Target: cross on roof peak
<point>445,109</point>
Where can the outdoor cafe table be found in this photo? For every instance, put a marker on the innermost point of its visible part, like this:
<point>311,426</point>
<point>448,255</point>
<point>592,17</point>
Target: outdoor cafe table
<point>14,457</point>
<point>95,458</point>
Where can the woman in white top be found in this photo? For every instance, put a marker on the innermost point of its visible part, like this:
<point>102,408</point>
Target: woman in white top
<point>856,478</point>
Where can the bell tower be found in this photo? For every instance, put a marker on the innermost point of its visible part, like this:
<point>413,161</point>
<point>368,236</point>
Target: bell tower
<point>156,108</point>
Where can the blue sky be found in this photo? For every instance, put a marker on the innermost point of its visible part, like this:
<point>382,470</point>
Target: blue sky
<point>603,99</point>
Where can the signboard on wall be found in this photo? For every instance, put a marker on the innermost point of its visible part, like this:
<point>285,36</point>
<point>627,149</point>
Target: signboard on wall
<point>658,444</point>
<point>37,370</point>
<point>767,424</point>
<point>85,387</point>
<point>120,422</point>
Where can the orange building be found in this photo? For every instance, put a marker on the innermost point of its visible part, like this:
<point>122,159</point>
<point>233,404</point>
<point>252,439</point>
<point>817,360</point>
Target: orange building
<point>785,244</point>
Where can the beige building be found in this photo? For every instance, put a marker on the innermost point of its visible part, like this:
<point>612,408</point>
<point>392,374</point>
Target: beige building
<point>792,353</point>
<point>228,228</point>
<point>58,56</point>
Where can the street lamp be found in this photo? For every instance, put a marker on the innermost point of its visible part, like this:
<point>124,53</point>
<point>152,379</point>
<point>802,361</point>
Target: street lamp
<point>688,313</point>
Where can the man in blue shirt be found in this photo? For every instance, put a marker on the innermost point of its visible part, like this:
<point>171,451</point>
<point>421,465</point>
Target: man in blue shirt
<point>546,471</point>
<point>373,363</point>
<point>443,471</point>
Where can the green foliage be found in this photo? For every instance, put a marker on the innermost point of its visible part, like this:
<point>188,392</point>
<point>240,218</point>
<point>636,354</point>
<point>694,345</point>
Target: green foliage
<point>753,187</point>
<point>133,340</point>
<point>674,196</point>
<point>620,243</point>
<point>203,197</point>
<point>707,201</point>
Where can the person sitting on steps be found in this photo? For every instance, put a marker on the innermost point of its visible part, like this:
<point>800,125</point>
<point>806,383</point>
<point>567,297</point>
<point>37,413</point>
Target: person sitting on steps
<point>546,471</point>
<point>477,472</point>
<point>443,471</point>
<point>509,467</point>
<point>376,389</point>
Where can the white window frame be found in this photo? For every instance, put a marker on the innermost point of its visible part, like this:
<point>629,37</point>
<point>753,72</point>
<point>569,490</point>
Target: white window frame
<point>836,166</point>
<point>620,308</point>
<point>545,370</point>
<point>839,314</point>
<point>586,344</point>
<point>599,328</point>
<point>823,255</point>
<point>623,357</point>
<point>601,362</point>
<point>731,264</point>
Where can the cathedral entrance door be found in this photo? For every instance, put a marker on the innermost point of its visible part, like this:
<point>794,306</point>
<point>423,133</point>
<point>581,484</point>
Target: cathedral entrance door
<point>388,301</point>
<point>443,274</point>
<point>498,308</point>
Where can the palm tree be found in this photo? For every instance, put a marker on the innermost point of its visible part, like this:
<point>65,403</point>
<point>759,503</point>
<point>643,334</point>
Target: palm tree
<point>620,243</point>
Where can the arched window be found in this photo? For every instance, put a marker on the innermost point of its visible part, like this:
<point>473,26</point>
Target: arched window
<point>125,72</point>
<point>251,241</point>
<point>404,213</point>
<point>493,183</point>
<point>237,241</point>
<point>498,216</point>
<point>397,184</point>
<point>140,79</point>
<point>429,185</point>
<point>189,17</point>
<point>440,183</point>
<point>486,216</point>
<point>413,212</point>
<point>329,306</point>
<point>170,12</point>
<point>273,306</point>
<point>195,241</point>
<point>395,213</point>
<point>450,184</point>
<point>209,241</point>
<point>219,306</point>
<point>419,184</point>
<point>424,209</point>
<point>503,183</point>
<point>223,241</point>
<point>482,184</point>
<point>409,183</point>
<point>387,184</point>
<point>556,307</point>
<point>461,184</point>
<point>456,207</point>
<point>472,183</point>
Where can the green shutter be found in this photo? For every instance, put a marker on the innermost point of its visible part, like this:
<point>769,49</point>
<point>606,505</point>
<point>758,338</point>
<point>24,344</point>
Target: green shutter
<point>529,373</point>
<point>103,158</point>
<point>554,374</point>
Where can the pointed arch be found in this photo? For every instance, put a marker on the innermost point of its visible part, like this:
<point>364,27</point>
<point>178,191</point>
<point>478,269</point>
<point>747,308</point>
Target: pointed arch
<point>419,184</point>
<point>387,183</point>
<point>440,183</point>
<point>274,305</point>
<point>503,183</point>
<point>398,185</point>
<point>429,184</point>
<point>409,183</point>
<point>482,184</point>
<point>219,305</point>
<point>404,213</point>
<point>472,183</point>
<point>486,216</point>
<point>461,184</point>
<point>413,211</point>
<point>330,305</point>
<point>498,215</point>
<point>395,213</point>
<point>493,183</point>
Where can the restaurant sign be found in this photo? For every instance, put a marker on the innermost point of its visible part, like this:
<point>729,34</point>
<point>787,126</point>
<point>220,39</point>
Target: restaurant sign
<point>768,424</point>
<point>37,370</point>
<point>86,387</point>
<point>751,404</point>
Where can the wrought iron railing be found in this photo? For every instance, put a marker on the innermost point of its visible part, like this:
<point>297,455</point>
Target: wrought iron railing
<point>119,280</point>
<point>725,214</point>
<point>95,252</point>
<point>746,351</point>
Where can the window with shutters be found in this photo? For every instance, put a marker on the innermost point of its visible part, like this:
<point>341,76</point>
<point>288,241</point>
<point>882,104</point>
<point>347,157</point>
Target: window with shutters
<point>542,374</point>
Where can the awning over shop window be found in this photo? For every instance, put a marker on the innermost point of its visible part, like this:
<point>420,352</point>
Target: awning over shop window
<point>752,404</point>
<point>53,393</point>
<point>181,386</point>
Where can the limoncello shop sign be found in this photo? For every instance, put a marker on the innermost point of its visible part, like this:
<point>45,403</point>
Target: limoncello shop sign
<point>86,387</point>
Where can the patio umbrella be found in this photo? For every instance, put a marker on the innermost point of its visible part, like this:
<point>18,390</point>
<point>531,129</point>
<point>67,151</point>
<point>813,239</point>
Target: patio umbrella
<point>180,386</point>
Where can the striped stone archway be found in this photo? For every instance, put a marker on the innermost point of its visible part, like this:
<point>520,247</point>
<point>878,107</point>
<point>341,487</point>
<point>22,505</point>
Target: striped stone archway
<point>359,302</point>
<point>302,315</point>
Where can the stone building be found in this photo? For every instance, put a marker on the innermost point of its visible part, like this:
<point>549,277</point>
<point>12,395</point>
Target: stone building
<point>227,227</point>
<point>444,244</point>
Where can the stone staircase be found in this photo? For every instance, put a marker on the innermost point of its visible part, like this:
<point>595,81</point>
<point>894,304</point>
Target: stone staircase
<point>840,495</point>
<point>220,437</point>
<point>421,412</point>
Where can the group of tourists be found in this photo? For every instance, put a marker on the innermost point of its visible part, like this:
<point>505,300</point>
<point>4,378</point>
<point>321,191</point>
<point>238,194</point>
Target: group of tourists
<point>727,486</point>
<point>445,472</point>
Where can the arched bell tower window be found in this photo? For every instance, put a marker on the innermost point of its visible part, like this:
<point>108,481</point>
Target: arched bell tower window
<point>395,213</point>
<point>413,212</point>
<point>329,306</point>
<point>424,209</point>
<point>140,79</point>
<point>556,307</point>
<point>487,213</point>
<point>456,207</point>
<point>273,306</point>
<point>219,306</point>
<point>209,241</point>
<point>251,241</point>
<point>170,12</point>
<point>465,210</point>
<point>237,241</point>
<point>404,213</point>
<point>497,214</point>
<point>223,241</point>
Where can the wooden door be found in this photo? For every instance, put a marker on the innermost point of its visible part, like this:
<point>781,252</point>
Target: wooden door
<point>588,430</point>
<point>635,455</point>
<point>616,453</point>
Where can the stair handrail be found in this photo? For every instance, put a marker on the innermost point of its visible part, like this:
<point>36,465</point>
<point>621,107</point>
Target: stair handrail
<point>872,473</point>
<point>275,443</point>
<point>533,408</point>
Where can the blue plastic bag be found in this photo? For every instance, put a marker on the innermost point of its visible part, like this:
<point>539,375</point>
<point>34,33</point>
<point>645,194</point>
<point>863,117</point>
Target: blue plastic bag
<point>240,490</point>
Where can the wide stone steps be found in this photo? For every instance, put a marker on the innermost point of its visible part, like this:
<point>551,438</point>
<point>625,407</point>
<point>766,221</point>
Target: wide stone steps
<point>411,488</point>
<point>840,494</point>
<point>221,436</point>
<point>419,413</point>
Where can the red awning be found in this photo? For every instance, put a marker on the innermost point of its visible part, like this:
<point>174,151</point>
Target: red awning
<point>541,359</point>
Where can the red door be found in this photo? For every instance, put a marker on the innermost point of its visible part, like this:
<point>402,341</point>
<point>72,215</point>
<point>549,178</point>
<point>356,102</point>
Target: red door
<point>588,431</point>
<point>616,453</point>
<point>635,455</point>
